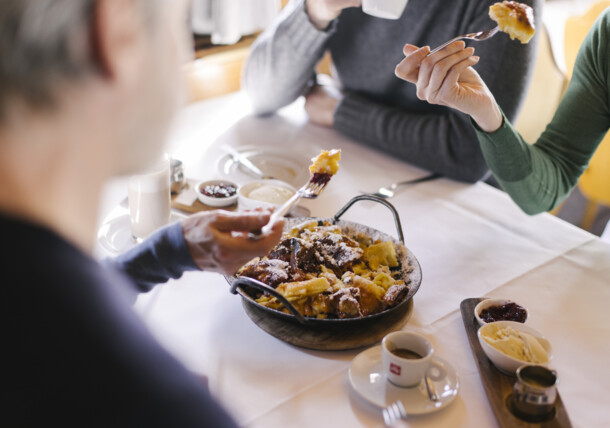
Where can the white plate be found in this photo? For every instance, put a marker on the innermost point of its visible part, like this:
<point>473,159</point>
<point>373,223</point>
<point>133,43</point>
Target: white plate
<point>369,381</point>
<point>278,162</point>
<point>115,236</point>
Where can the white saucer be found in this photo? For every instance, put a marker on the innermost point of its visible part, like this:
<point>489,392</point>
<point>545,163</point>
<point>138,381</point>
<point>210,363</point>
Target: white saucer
<point>281,163</point>
<point>369,381</point>
<point>115,236</point>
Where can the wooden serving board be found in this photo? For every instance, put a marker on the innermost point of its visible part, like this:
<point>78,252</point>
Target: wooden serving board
<point>499,386</point>
<point>328,338</point>
<point>188,202</point>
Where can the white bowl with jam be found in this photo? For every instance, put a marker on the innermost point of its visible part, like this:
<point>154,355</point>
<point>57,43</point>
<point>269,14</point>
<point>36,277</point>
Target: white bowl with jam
<point>492,310</point>
<point>217,193</point>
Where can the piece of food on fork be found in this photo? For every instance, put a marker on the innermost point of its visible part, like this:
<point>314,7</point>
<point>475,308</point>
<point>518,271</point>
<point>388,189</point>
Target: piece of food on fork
<point>324,166</point>
<point>514,18</point>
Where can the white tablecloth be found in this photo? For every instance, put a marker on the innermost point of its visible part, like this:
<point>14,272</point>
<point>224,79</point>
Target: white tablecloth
<point>470,240</point>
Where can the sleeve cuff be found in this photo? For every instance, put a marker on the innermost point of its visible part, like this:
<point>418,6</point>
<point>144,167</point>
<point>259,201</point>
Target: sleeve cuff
<point>304,36</point>
<point>158,258</point>
<point>505,152</point>
<point>170,245</point>
<point>351,112</point>
<point>504,128</point>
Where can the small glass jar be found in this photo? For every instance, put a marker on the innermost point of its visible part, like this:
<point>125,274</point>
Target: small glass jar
<point>535,391</point>
<point>177,178</point>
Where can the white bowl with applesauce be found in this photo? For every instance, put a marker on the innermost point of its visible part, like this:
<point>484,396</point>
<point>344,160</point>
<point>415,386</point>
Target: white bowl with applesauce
<point>266,193</point>
<point>507,356</point>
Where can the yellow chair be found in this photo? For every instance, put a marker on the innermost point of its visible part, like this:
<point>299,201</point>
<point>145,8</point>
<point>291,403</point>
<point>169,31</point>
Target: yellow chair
<point>595,181</point>
<point>546,89</point>
<point>215,74</point>
<point>218,70</point>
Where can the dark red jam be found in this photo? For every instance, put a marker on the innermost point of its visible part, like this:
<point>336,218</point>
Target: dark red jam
<point>320,178</point>
<point>507,312</point>
<point>220,190</point>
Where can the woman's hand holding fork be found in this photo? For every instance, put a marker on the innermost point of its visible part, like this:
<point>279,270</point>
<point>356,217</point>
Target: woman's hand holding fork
<point>447,78</point>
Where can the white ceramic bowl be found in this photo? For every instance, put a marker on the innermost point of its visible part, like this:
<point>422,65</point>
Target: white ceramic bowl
<point>262,193</point>
<point>503,361</point>
<point>216,201</point>
<point>487,303</point>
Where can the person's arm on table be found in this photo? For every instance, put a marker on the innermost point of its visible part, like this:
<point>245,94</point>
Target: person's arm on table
<point>214,241</point>
<point>442,142</point>
<point>536,176</point>
<point>282,60</point>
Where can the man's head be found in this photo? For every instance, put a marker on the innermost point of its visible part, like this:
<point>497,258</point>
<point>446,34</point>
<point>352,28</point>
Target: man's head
<point>54,53</point>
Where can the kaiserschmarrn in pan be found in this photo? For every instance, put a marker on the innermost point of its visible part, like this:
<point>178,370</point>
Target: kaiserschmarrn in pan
<point>325,273</point>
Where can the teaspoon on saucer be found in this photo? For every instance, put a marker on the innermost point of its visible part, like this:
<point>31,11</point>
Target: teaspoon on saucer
<point>245,162</point>
<point>431,390</point>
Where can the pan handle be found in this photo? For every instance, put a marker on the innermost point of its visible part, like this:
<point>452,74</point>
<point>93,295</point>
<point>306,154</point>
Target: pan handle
<point>244,280</point>
<point>378,200</point>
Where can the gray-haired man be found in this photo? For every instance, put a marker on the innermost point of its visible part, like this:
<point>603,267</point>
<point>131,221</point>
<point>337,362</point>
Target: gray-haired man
<point>87,91</point>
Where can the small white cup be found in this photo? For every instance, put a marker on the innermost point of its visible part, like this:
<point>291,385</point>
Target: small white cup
<point>274,194</point>
<point>403,371</point>
<point>387,9</point>
<point>149,196</point>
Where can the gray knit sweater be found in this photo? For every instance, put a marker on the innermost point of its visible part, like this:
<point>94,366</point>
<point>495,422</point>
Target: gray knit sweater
<point>378,109</point>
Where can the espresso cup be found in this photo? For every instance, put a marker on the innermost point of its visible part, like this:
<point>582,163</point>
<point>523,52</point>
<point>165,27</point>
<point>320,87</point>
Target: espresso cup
<point>407,358</point>
<point>388,9</point>
<point>149,199</point>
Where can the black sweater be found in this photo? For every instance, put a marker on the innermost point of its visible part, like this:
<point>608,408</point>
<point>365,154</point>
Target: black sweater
<point>74,351</point>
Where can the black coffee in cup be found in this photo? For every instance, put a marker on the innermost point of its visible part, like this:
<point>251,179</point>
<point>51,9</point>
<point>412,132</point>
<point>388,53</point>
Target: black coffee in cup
<point>406,353</point>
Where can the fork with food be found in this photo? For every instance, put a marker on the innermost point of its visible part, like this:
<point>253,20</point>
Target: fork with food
<point>323,167</point>
<point>514,18</point>
<point>448,78</point>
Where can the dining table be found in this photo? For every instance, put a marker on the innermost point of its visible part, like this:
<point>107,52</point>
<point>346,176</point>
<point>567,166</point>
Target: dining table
<point>471,241</point>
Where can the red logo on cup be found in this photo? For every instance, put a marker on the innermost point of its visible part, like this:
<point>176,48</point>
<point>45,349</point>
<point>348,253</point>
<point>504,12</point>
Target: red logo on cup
<point>395,369</point>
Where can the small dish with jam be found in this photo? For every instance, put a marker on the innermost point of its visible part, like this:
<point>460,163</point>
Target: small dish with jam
<point>217,193</point>
<point>491,310</point>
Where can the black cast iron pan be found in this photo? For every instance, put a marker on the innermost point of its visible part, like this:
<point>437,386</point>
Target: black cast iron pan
<point>409,267</point>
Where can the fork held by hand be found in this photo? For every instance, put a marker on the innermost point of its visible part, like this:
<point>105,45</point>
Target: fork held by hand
<point>480,36</point>
<point>311,190</point>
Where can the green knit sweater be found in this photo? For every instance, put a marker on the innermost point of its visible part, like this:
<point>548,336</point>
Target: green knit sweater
<point>539,176</point>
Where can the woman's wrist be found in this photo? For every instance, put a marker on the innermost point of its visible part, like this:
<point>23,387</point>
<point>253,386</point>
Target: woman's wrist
<point>488,118</point>
<point>318,14</point>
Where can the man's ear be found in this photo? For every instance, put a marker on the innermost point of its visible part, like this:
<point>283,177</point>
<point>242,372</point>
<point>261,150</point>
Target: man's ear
<point>117,37</point>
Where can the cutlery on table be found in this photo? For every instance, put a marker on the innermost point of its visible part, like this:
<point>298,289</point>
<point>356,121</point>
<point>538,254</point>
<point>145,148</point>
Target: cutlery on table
<point>245,162</point>
<point>480,36</point>
<point>394,413</point>
<point>390,191</point>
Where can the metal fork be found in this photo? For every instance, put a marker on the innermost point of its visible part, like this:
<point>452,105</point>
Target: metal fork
<point>480,36</point>
<point>390,191</point>
<point>310,190</point>
<point>394,413</point>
